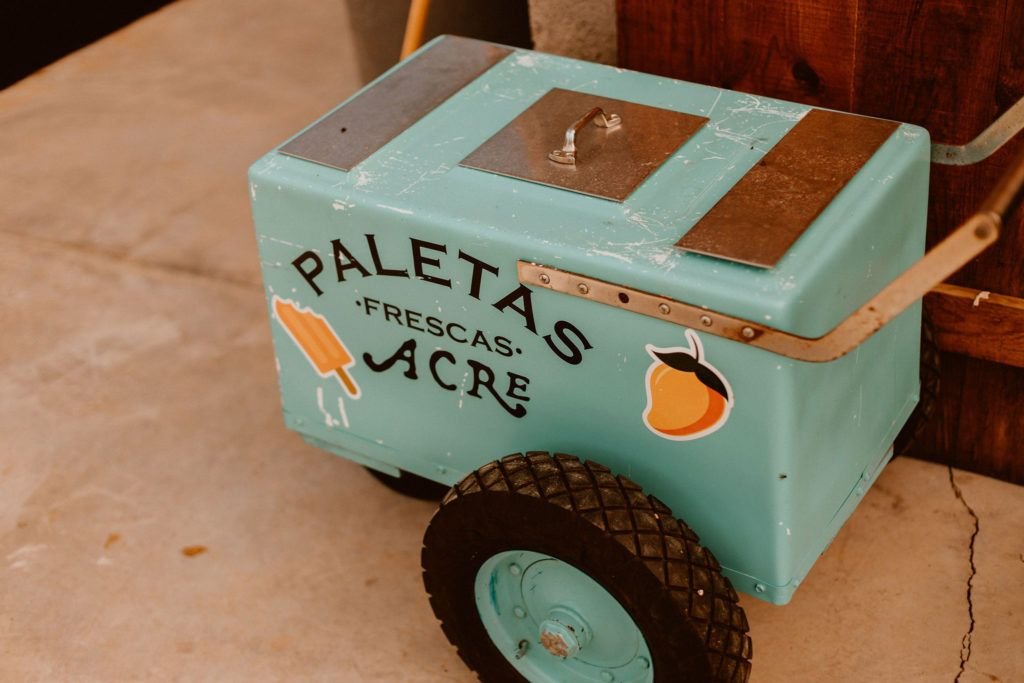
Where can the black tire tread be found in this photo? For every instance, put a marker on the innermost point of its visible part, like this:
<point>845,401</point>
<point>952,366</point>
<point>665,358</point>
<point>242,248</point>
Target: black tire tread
<point>643,525</point>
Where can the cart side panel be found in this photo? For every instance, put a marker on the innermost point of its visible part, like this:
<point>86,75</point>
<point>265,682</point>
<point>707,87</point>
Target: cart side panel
<point>450,376</point>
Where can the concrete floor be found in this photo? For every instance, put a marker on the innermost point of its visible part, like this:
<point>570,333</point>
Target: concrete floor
<point>157,522</point>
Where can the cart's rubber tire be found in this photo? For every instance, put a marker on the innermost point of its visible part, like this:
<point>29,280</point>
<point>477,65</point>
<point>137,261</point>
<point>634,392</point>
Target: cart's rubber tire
<point>605,526</point>
<point>931,373</point>
<point>412,485</point>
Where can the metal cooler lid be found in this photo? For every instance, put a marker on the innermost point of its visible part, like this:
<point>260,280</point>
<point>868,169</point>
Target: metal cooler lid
<point>388,107</point>
<point>556,142</point>
<point>767,211</point>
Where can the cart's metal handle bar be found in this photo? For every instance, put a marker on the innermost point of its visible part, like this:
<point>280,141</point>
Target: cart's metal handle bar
<point>980,148</point>
<point>966,242</point>
<point>567,155</point>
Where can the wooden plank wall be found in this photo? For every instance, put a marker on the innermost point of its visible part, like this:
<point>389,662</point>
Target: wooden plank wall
<point>951,66</point>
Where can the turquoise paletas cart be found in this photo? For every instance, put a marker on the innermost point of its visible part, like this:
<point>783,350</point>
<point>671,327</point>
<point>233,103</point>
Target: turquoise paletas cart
<point>710,299</point>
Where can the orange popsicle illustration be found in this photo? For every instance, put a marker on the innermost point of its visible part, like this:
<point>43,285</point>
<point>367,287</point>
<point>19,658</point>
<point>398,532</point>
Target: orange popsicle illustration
<point>321,345</point>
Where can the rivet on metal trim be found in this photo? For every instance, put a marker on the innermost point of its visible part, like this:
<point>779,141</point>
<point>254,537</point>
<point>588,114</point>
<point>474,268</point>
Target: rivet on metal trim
<point>583,288</point>
<point>544,278</point>
<point>664,308</point>
<point>748,332</point>
<point>705,320</point>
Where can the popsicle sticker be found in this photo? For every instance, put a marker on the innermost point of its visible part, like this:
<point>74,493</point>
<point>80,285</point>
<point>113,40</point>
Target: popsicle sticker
<point>318,341</point>
<point>687,398</point>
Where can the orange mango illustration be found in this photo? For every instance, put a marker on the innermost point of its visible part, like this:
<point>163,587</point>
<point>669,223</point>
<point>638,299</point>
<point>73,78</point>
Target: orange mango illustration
<point>318,341</point>
<point>687,398</point>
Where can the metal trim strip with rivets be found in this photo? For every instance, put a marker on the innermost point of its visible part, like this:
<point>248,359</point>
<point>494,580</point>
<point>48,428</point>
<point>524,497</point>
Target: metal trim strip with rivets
<point>966,242</point>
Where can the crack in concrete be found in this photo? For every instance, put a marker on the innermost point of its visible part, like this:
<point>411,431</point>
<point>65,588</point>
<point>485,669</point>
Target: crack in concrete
<point>965,645</point>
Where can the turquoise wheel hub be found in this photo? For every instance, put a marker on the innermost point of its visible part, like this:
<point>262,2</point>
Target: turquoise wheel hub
<point>555,624</point>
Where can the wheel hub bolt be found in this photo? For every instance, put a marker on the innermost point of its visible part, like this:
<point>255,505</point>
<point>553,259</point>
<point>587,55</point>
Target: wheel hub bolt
<point>564,633</point>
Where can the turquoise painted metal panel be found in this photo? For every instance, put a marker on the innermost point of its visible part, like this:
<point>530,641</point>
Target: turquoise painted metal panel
<point>447,362</point>
<point>512,586</point>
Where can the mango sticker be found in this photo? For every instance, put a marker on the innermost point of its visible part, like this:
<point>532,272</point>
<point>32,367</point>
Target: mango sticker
<point>687,398</point>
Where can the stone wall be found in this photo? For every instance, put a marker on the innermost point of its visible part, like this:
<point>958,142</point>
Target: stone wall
<point>584,29</point>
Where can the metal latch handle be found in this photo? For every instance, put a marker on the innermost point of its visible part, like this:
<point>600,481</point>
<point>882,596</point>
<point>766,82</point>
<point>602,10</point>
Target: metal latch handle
<point>567,155</point>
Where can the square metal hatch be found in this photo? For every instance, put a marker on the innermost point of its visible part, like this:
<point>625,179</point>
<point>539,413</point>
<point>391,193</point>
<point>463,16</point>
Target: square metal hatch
<point>610,162</point>
<point>384,110</point>
<point>779,198</point>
